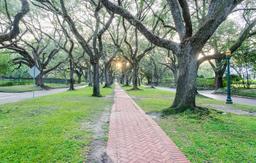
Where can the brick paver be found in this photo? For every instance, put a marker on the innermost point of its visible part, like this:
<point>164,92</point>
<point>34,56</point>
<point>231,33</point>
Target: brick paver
<point>135,137</point>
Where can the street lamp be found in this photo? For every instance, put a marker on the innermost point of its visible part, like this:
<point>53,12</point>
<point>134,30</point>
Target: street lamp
<point>228,56</point>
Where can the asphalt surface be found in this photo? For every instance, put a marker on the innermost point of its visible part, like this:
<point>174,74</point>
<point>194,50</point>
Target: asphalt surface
<point>209,93</point>
<point>14,97</point>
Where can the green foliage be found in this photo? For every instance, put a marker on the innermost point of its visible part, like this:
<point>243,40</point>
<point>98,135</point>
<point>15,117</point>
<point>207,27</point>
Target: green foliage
<point>224,36</point>
<point>49,129</point>
<point>8,82</point>
<point>245,56</point>
<point>205,83</point>
<point>4,63</point>
<point>202,83</point>
<point>213,137</point>
<point>240,92</point>
<point>205,70</point>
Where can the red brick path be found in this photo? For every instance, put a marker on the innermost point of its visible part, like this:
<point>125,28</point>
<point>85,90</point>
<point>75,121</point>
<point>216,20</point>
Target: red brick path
<point>135,137</point>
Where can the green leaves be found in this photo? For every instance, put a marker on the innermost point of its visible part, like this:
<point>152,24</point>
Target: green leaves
<point>4,63</point>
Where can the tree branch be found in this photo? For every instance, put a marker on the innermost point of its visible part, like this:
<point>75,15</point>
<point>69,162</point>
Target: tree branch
<point>141,27</point>
<point>176,14</point>
<point>15,30</point>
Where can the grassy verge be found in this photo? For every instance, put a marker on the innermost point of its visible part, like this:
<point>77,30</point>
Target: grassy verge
<point>19,88</point>
<point>28,88</point>
<point>212,137</point>
<point>251,93</point>
<point>6,82</point>
<point>51,128</point>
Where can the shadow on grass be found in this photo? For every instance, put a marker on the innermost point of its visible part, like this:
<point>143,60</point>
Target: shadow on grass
<point>135,89</point>
<point>125,85</point>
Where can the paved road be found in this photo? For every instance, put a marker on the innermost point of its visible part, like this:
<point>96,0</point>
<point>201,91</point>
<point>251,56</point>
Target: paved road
<point>135,137</point>
<point>209,93</point>
<point>14,97</point>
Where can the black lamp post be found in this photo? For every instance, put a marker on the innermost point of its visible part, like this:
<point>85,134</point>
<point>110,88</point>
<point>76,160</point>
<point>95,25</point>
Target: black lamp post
<point>228,56</point>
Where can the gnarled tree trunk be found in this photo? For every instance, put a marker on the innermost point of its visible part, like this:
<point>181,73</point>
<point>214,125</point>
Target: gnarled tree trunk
<point>107,80</point>
<point>79,78</point>
<point>186,83</point>
<point>96,78</point>
<point>218,79</point>
<point>89,78</point>
<point>40,80</point>
<point>127,81</point>
<point>71,75</point>
<point>135,81</point>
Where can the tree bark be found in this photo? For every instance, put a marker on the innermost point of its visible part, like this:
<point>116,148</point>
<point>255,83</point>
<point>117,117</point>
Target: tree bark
<point>71,75</point>
<point>122,78</point>
<point>40,81</point>
<point>15,29</point>
<point>186,83</point>
<point>96,79</point>
<point>127,82</point>
<point>79,80</point>
<point>218,80</point>
<point>135,76</point>
<point>107,80</point>
<point>89,78</point>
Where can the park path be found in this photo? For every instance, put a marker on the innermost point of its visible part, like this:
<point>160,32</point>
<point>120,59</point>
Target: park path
<point>15,97</point>
<point>135,137</point>
<point>209,93</point>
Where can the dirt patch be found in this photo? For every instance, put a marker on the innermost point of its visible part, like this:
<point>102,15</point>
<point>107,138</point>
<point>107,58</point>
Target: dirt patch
<point>155,115</point>
<point>99,127</point>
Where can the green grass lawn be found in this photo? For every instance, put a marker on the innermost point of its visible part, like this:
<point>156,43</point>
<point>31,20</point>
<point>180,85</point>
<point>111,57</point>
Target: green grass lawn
<point>240,92</point>
<point>29,87</point>
<point>213,137</point>
<point>50,128</point>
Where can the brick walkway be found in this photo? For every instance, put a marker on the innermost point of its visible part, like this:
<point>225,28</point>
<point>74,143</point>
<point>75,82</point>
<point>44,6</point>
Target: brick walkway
<point>135,137</point>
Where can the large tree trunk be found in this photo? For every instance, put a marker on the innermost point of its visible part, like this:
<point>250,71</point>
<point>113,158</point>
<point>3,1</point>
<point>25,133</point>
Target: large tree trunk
<point>96,79</point>
<point>71,75</point>
<point>186,83</point>
<point>122,78</point>
<point>79,75</point>
<point>135,76</point>
<point>40,81</point>
<point>111,77</point>
<point>89,78</point>
<point>218,81</point>
<point>79,80</point>
<point>127,82</point>
<point>149,81</point>
<point>219,71</point>
<point>85,75</point>
<point>107,77</point>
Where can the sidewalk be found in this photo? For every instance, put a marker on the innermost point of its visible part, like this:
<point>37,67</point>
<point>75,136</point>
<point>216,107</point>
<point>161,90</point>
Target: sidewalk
<point>135,137</point>
<point>209,93</point>
<point>15,97</point>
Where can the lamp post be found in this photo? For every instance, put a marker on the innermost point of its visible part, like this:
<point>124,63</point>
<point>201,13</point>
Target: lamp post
<point>228,56</point>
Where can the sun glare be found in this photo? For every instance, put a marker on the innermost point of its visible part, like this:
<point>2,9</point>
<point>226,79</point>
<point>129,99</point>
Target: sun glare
<point>119,65</point>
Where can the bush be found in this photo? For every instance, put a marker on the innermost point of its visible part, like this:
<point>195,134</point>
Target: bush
<point>205,83</point>
<point>7,82</point>
<point>235,77</point>
<point>202,83</point>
